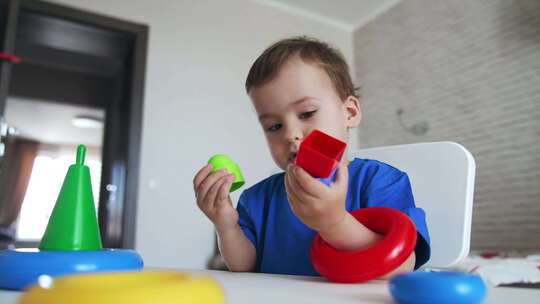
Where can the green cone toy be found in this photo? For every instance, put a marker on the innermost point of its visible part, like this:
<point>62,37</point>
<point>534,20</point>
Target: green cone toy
<point>73,223</point>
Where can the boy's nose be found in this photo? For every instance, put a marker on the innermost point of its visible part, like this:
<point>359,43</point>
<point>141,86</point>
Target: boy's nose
<point>293,139</point>
<point>294,136</point>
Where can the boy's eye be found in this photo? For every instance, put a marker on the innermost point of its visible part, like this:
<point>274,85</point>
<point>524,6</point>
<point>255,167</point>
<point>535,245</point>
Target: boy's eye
<point>307,115</point>
<point>274,128</point>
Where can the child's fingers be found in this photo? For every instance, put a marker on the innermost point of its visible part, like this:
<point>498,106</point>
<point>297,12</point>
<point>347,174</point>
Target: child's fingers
<point>294,184</point>
<point>291,191</point>
<point>200,176</point>
<point>207,183</point>
<point>294,187</point>
<point>296,204</point>
<point>223,192</point>
<point>305,182</point>
<point>288,187</point>
<point>202,200</point>
<point>342,176</point>
<point>212,193</point>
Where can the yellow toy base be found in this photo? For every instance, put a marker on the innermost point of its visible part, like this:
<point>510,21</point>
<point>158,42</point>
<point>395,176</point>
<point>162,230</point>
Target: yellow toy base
<point>145,287</point>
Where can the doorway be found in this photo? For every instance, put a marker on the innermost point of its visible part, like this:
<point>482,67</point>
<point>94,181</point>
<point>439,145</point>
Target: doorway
<point>68,77</point>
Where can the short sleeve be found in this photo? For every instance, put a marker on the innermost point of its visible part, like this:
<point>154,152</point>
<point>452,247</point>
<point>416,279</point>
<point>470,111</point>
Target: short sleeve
<point>393,189</point>
<point>245,221</point>
<point>422,249</point>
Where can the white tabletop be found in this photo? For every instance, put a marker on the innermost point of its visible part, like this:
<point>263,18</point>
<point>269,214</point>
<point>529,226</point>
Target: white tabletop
<point>265,288</point>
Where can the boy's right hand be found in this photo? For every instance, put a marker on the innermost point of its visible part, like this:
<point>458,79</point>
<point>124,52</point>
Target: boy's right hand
<point>212,193</point>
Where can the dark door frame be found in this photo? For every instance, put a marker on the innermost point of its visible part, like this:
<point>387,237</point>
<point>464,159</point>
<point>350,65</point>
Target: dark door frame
<point>123,127</point>
<point>8,16</point>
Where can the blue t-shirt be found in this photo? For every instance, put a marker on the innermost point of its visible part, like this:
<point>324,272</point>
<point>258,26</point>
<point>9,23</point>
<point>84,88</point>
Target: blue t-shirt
<point>283,241</point>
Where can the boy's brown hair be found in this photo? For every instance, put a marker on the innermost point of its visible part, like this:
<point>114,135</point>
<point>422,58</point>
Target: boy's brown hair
<point>311,50</point>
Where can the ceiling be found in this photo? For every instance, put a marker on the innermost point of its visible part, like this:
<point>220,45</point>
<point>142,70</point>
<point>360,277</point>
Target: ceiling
<point>50,123</point>
<point>345,14</point>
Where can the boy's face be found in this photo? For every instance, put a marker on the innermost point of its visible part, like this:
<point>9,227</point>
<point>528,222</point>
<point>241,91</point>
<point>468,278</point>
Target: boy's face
<point>299,99</point>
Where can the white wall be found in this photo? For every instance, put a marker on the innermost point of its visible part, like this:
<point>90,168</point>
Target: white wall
<point>195,106</point>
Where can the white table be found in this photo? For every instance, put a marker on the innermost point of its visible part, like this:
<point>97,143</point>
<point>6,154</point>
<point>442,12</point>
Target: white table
<point>265,288</point>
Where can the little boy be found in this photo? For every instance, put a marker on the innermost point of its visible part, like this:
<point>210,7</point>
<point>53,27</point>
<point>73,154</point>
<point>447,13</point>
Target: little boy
<point>298,85</point>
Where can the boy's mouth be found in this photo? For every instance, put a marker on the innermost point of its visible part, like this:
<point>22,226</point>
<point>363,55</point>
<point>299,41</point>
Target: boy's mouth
<point>292,157</point>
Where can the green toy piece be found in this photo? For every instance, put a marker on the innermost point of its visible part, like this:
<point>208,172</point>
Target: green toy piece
<point>222,161</point>
<point>73,223</point>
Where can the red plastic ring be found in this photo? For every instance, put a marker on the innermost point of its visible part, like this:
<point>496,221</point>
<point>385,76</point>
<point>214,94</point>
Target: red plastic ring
<point>10,57</point>
<point>363,265</point>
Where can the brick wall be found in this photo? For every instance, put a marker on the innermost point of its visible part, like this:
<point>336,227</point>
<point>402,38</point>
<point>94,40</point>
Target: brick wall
<point>470,70</point>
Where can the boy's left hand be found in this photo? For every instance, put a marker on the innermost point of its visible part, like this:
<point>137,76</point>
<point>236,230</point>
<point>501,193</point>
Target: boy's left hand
<point>317,205</point>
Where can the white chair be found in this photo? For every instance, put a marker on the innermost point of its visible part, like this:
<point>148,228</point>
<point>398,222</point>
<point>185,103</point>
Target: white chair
<point>442,179</point>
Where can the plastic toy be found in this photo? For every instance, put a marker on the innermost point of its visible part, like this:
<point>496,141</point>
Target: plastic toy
<point>328,180</point>
<point>437,287</point>
<point>21,268</point>
<point>319,154</point>
<point>386,255</point>
<point>73,223</point>
<point>222,161</point>
<point>71,243</point>
<point>164,287</point>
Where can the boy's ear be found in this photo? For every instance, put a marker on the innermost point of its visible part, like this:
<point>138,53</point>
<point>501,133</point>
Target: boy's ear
<point>353,112</point>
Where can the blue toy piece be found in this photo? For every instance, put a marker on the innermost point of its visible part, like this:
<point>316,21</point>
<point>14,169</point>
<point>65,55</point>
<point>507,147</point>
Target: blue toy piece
<point>21,268</point>
<point>438,287</point>
<point>328,180</point>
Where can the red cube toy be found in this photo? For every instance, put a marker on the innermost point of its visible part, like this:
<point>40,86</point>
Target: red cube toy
<point>320,153</point>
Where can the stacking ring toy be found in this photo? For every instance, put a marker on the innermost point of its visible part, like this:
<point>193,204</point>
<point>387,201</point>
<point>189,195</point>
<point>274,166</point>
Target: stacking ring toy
<point>222,161</point>
<point>164,287</point>
<point>319,154</point>
<point>20,268</point>
<point>362,265</point>
<point>328,180</point>
<point>437,287</point>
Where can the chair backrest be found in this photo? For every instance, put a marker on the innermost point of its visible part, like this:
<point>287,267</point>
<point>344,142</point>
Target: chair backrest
<point>442,179</point>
